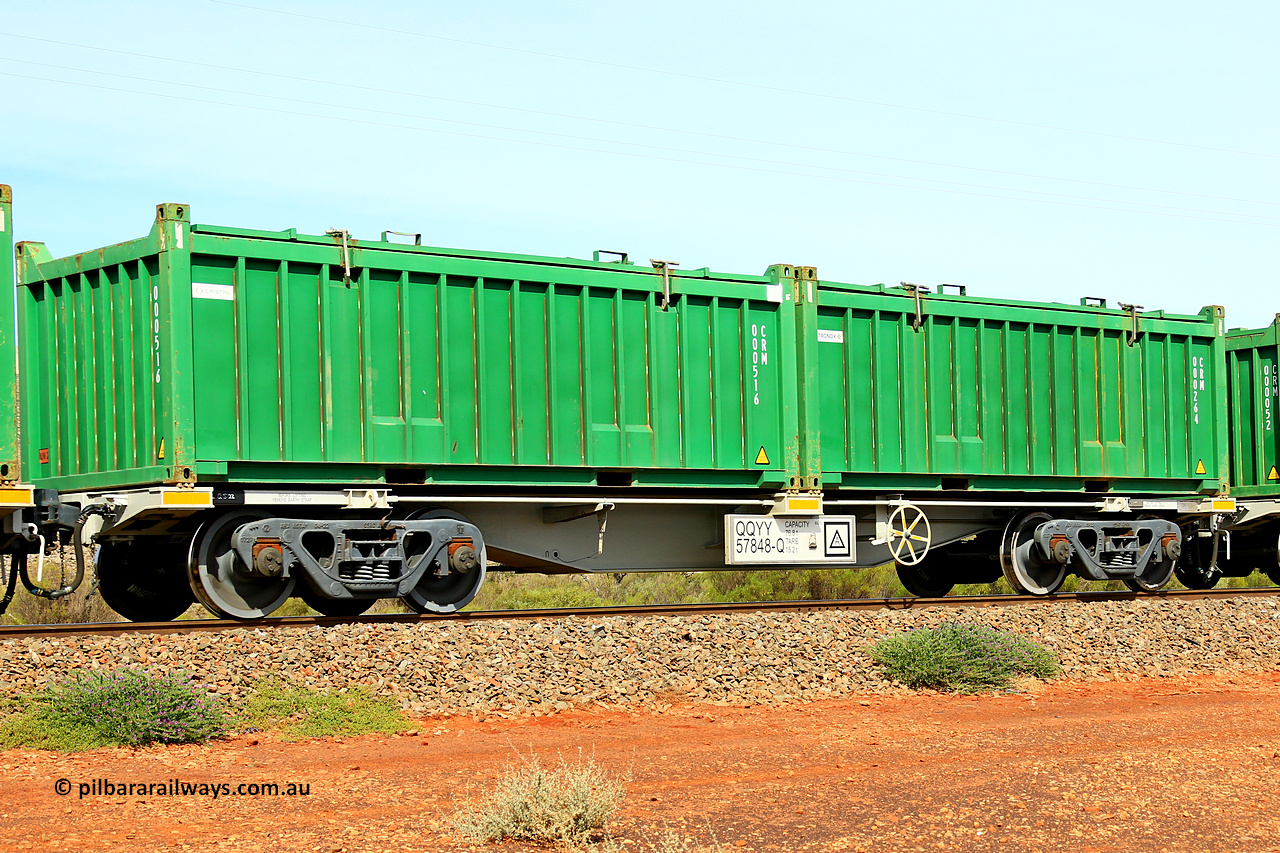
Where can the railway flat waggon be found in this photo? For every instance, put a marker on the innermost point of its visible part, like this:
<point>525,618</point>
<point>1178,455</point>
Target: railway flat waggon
<point>238,416</point>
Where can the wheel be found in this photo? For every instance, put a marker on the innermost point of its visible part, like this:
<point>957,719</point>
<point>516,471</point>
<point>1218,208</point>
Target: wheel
<point>144,580</point>
<point>1156,576</point>
<point>452,592</point>
<point>908,541</point>
<point>1197,577</point>
<point>920,581</point>
<point>222,582</point>
<point>1023,567</point>
<point>1271,563</point>
<point>1192,567</point>
<point>348,607</point>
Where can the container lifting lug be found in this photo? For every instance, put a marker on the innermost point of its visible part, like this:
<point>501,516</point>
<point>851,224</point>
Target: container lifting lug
<point>1133,315</point>
<point>664,268</point>
<point>346,251</point>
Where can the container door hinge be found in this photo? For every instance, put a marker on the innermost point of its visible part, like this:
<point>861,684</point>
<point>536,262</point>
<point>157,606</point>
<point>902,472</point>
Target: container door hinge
<point>664,268</point>
<point>346,251</point>
<point>1133,316</point>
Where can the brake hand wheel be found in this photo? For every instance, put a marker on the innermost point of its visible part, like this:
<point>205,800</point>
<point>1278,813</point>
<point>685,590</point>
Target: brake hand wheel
<point>910,534</point>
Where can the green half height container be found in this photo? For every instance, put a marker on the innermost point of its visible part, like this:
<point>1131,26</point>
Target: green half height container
<point>209,354</point>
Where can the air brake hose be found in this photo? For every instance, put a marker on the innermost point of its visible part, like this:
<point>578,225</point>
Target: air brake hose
<point>12,584</point>
<point>78,546</point>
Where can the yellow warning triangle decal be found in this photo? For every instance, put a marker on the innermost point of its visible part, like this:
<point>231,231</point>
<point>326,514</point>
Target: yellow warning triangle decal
<point>1274,475</point>
<point>1200,467</point>
<point>762,458</point>
<point>160,452</point>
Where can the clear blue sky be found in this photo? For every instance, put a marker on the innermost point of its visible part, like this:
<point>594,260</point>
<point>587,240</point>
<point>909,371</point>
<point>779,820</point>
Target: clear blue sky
<point>1047,151</point>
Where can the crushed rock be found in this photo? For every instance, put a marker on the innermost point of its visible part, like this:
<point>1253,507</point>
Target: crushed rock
<point>520,667</point>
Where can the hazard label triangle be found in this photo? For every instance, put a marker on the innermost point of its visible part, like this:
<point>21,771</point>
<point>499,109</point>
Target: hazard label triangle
<point>837,542</point>
<point>1274,475</point>
<point>1200,469</point>
<point>762,458</point>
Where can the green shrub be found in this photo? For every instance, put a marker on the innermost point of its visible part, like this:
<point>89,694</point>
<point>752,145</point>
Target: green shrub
<point>125,707</point>
<point>961,656</point>
<point>567,805</point>
<point>298,712</point>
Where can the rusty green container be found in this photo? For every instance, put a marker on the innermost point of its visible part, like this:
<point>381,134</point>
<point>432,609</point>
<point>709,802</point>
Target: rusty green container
<point>948,391</point>
<point>1253,359</point>
<point>210,354</point>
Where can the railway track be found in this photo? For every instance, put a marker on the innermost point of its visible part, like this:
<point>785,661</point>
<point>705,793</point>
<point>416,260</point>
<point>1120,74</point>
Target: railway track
<point>199,625</point>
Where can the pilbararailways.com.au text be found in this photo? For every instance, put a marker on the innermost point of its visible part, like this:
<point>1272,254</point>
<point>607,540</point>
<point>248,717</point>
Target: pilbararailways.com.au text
<point>180,788</point>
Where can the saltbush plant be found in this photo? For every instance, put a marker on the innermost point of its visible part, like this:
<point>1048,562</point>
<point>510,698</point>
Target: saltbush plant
<point>568,805</point>
<point>962,656</point>
<point>126,707</point>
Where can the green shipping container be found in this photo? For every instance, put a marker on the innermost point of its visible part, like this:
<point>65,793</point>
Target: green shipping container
<point>1253,357</point>
<point>213,354</point>
<point>956,392</point>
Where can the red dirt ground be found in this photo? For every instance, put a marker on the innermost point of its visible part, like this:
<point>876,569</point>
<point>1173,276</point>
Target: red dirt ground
<point>1153,765</point>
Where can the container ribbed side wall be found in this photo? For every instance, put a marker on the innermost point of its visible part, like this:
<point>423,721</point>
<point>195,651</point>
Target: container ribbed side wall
<point>93,398</point>
<point>1045,397</point>
<point>465,364</point>
<point>1253,359</point>
<point>10,465</point>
